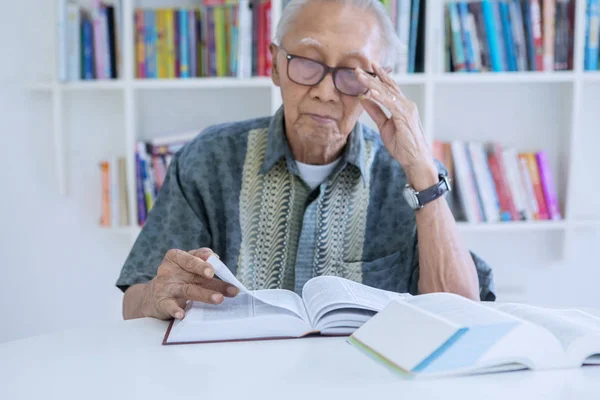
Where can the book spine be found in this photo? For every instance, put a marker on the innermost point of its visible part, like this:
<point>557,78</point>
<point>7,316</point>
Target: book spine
<point>177,42</point>
<point>170,43</point>
<point>140,42</point>
<point>537,185</point>
<point>549,20</point>
<point>267,38</point>
<point>151,46</point>
<point>106,42</point>
<point>536,29</point>
<point>517,187</point>
<point>184,44</point>
<point>592,29</point>
<point>475,42</point>
<point>161,44</point>
<point>509,43</point>
<point>516,17</point>
<point>73,43</point>
<point>105,219</point>
<point>114,192</point>
<point>244,64</point>
<point>484,182</point>
<point>463,13</point>
<point>503,171</point>
<point>123,195</point>
<point>528,185</point>
<point>547,182</point>
<point>99,53</point>
<point>193,35</point>
<point>111,30</point>
<point>477,11</point>
<point>88,50</point>
<point>503,196</point>
<point>414,24</point>
<point>491,32</point>
<point>141,201</point>
<point>458,51</point>
<point>464,183</point>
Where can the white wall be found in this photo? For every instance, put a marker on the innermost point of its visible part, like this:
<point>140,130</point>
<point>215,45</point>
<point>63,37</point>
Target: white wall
<point>57,268</point>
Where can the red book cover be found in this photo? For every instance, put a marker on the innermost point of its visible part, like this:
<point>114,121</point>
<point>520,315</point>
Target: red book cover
<point>503,174</point>
<point>501,190</point>
<point>268,61</point>
<point>537,185</point>
<point>261,38</point>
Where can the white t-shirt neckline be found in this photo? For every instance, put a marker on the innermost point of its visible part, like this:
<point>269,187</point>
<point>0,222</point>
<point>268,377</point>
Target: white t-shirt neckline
<point>314,175</point>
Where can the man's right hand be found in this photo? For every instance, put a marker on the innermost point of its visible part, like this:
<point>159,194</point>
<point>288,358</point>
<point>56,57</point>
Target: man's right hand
<point>183,276</point>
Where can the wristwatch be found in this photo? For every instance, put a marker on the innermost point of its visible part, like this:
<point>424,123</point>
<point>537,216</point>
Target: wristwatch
<point>416,200</point>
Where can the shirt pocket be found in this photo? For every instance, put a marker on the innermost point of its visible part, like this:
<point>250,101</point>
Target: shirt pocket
<point>382,273</point>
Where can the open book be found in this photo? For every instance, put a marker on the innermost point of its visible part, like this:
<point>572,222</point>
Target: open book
<point>328,306</point>
<point>445,334</point>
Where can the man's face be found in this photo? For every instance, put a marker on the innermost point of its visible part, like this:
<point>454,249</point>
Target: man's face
<point>339,36</point>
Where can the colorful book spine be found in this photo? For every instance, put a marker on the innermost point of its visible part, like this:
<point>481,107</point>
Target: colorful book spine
<point>105,219</point>
<point>501,188</point>
<point>151,43</point>
<point>537,185</point>
<point>527,179</point>
<point>161,43</point>
<point>466,35</point>
<point>465,185</point>
<point>141,201</point>
<point>170,43</point>
<point>140,43</point>
<point>547,182</point>
<point>592,33</point>
<point>511,59</point>
<point>99,44</point>
<point>184,44</point>
<point>490,28</point>
<point>268,60</point>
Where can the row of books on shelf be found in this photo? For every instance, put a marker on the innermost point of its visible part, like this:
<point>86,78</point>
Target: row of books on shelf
<point>408,18</point>
<point>218,39</point>
<point>509,35</point>
<point>495,184</point>
<point>89,40</point>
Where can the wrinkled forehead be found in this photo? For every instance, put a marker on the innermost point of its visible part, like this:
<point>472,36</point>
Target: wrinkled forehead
<point>336,30</point>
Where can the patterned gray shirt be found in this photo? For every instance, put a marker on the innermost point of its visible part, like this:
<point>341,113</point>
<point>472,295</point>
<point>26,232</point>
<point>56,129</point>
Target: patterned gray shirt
<point>236,189</point>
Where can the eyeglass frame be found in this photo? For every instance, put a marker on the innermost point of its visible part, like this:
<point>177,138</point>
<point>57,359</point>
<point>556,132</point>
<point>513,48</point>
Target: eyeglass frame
<point>327,69</point>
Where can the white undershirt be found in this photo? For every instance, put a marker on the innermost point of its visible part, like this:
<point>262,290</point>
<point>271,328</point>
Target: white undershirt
<point>314,175</point>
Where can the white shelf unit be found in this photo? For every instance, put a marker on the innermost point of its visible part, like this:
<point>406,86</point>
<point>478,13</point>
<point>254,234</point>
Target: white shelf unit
<point>528,110</point>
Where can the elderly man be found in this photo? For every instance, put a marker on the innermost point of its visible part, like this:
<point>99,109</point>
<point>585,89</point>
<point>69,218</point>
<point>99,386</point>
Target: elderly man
<point>308,191</point>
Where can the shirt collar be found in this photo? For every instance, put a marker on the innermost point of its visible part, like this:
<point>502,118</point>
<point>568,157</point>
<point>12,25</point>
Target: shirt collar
<point>278,147</point>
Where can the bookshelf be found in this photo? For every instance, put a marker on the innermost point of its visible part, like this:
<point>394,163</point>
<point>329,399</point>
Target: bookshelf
<point>550,110</point>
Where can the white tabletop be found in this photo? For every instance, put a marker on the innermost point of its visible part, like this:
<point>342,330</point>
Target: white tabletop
<point>127,361</point>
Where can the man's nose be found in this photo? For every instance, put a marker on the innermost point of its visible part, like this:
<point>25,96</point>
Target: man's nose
<point>325,90</point>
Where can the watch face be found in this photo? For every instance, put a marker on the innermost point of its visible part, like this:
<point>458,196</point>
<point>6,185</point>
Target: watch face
<point>411,198</point>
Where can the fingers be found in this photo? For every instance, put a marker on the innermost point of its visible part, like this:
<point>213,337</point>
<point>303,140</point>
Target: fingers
<point>203,253</point>
<point>190,263</point>
<point>387,79</point>
<point>171,307</point>
<point>189,291</point>
<point>217,285</point>
<point>374,111</point>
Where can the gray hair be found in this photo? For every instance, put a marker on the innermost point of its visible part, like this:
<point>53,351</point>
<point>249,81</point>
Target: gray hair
<point>391,42</point>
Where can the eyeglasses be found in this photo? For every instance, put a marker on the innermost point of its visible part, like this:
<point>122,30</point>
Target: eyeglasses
<point>307,72</point>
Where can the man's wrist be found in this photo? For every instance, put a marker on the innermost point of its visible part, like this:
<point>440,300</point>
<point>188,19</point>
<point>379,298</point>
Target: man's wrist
<point>422,177</point>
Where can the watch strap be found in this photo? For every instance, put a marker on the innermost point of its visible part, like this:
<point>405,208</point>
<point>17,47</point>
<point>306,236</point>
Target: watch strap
<point>434,192</point>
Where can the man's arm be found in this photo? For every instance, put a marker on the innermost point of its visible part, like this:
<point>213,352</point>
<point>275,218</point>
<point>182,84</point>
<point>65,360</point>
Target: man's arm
<point>445,263</point>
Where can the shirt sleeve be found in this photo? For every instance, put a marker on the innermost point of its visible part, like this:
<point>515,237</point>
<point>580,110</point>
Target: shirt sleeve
<point>176,221</point>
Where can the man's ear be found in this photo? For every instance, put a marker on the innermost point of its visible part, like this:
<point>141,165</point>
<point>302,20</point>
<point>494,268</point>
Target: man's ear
<point>273,48</point>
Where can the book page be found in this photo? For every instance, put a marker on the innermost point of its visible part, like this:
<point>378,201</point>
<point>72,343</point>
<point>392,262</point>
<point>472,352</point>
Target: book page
<point>240,317</point>
<point>568,325</point>
<point>325,293</point>
<point>460,310</point>
<point>275,297</point>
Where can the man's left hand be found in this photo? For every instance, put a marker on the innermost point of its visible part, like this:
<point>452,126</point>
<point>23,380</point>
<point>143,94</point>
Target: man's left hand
<point>402,133</point>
